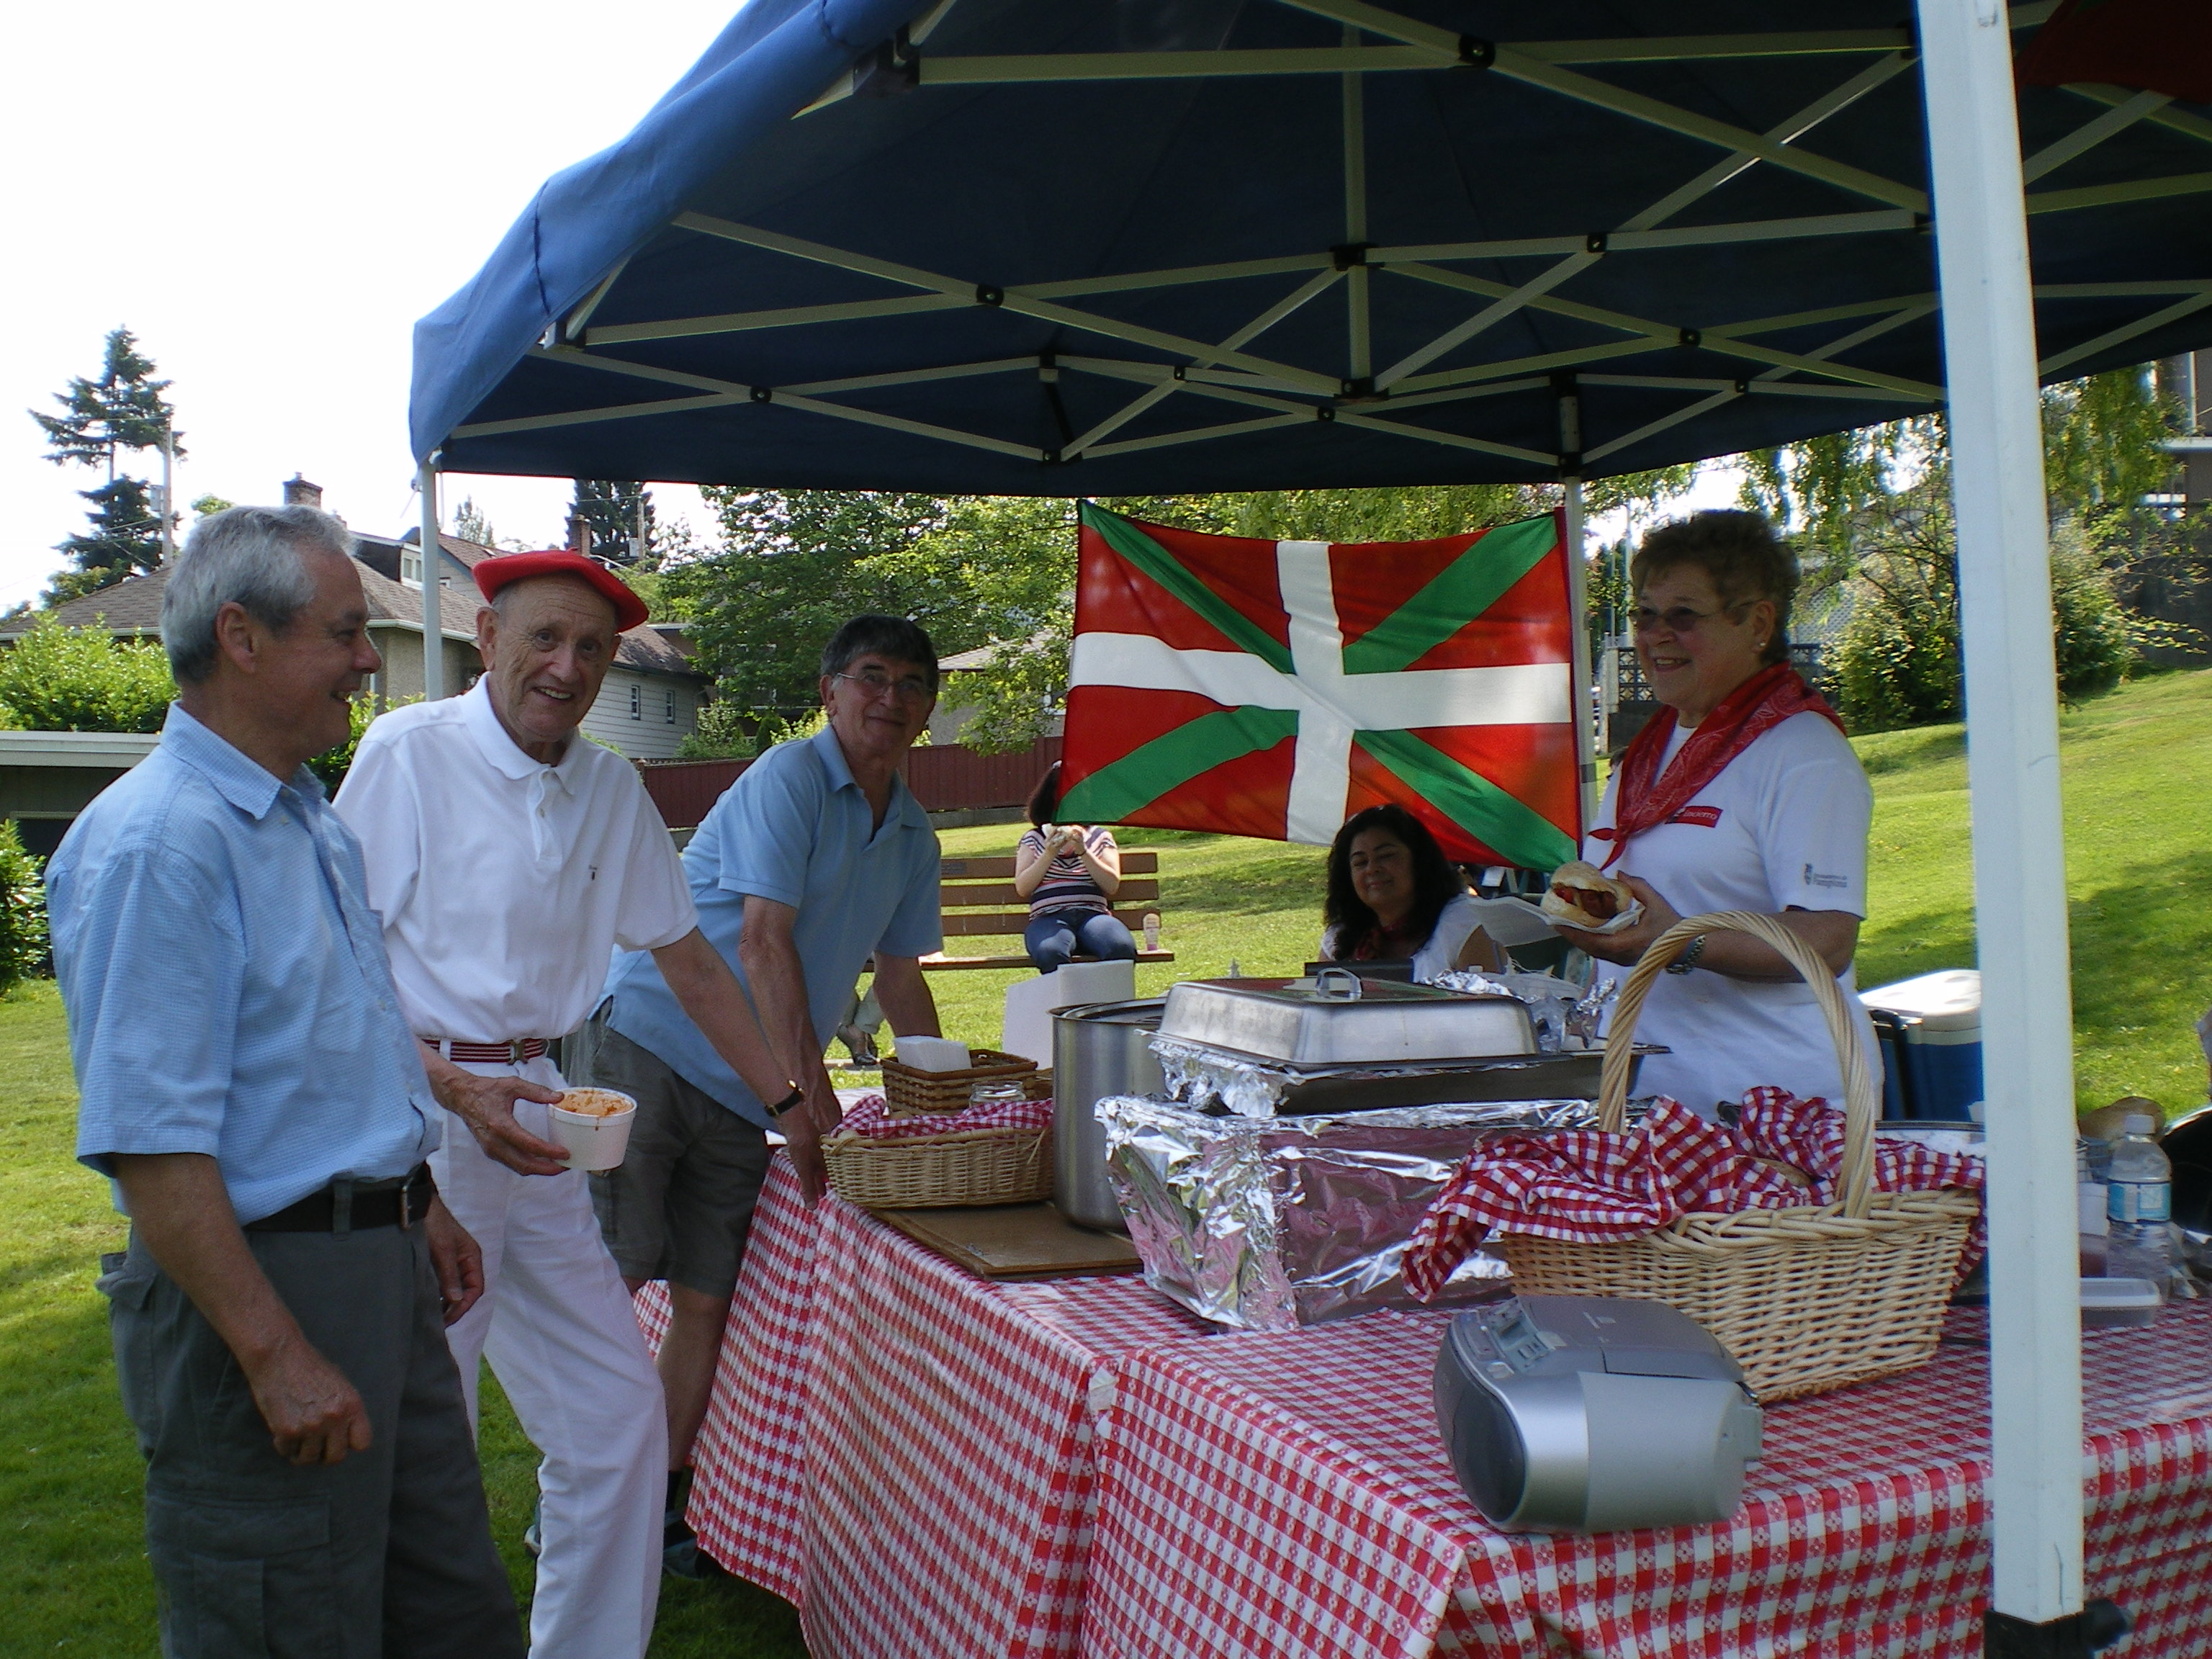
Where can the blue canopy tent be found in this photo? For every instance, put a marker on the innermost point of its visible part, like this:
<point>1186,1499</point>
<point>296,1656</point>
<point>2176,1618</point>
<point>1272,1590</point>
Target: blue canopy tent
<point>1046,247</point>
<point>1073,246</point>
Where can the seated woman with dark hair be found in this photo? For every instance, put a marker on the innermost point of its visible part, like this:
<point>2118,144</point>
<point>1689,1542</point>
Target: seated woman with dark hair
<point>1392,895</point>
<point>1069,874</point>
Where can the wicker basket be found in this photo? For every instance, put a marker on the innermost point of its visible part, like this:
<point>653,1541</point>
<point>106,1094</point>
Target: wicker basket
<point>1805,1299</point>
<point>908,1089</point>
<point>981,1166</point>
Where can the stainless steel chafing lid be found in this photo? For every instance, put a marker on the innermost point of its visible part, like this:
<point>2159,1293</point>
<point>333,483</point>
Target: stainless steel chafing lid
<point>1337,1018</point>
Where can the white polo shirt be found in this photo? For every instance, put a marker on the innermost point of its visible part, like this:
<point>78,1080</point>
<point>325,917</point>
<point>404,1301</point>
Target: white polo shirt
<point>505,885</point>
<point>1784,826</point>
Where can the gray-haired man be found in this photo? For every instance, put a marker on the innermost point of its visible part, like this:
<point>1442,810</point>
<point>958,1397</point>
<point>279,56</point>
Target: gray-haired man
<point>246,1079</point>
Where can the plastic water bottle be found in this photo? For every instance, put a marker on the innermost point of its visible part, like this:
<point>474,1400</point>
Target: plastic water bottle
<point>2138,1208</point>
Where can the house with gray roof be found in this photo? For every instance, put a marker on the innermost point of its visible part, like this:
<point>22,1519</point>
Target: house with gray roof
<point>648,704</point>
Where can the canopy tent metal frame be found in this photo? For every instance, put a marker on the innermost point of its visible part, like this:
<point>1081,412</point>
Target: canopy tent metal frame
<point>1231,371</point>
<point>609,361</point>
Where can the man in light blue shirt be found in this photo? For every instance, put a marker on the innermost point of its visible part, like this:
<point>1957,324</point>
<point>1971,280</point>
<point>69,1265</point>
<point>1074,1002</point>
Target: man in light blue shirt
<point>247,1081</point>
<point>818,858</point>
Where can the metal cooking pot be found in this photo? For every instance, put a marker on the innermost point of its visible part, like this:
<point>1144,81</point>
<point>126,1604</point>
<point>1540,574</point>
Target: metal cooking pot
<point>1098,1048</point>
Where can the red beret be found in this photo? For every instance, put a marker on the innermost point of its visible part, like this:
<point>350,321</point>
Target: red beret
<point>494,574</point>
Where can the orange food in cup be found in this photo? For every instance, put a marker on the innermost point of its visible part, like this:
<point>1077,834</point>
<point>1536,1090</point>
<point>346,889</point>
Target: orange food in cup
<point>594,1103</point>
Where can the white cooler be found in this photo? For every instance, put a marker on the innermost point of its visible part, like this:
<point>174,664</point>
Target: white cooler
<point>1934,1053</point>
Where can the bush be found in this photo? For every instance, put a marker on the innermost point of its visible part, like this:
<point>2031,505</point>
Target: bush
<point>726,732</point>
<point>1897,663</point>
<point>84,679</point>
<point>332,764</point>
<point>23,950</point>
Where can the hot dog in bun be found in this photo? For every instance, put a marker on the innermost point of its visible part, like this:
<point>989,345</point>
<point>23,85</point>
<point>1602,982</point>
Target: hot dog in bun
<point>1582,896</point>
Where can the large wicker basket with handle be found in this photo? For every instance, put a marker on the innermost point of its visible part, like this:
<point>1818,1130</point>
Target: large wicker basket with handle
<point>1805,1299</point>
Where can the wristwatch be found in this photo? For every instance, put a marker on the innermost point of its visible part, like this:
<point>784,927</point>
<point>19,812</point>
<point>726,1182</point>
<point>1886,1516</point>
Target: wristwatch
<point>1688,959</point>
<point>791,1102</point>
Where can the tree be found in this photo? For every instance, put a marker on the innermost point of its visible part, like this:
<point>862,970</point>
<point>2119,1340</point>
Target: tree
<point>470,525</point>
<point>123,409</point>
<point>792,565</point>
<point>610,508</point>
<point>208,506</point>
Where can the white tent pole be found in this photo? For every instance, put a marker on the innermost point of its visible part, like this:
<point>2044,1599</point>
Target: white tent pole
<point>1578,603</point>
<point>434,622</point>
<point>2019,863</point>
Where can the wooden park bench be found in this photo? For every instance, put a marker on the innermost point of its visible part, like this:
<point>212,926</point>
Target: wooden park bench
<point>971,891</point>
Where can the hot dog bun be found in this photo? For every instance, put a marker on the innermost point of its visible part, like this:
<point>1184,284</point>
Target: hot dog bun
<point>1581,895</point>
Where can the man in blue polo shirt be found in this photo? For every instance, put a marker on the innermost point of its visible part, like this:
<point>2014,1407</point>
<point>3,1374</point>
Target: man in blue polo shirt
<point>815,859</point>
<point>246,1080</point>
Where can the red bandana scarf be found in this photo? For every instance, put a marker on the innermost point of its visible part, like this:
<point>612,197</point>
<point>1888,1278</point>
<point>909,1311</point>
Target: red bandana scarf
<point>1753,709</point>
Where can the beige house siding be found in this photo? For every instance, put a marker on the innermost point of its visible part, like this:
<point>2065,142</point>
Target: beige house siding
<point>400,680</point>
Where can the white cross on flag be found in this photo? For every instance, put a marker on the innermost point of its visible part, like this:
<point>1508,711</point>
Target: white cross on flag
<point>1271,688</point>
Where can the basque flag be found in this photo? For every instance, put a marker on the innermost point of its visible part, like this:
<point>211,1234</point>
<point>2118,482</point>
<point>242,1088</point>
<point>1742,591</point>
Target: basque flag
<point>1272,688</point>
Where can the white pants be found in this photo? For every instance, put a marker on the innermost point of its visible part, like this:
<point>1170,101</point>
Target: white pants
<point>563,1341</point>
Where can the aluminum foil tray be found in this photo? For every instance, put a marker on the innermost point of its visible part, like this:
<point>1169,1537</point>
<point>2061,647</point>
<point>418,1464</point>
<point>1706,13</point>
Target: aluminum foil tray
<point>1337,1018</point>
<point>1269,1224</point>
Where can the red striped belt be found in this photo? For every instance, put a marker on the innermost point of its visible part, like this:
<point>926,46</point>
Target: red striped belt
<point>511,1053</point>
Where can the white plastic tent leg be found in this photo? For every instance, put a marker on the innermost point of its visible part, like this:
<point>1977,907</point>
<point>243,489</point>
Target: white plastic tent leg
<point>434,621</point>
<point>2019,865</point>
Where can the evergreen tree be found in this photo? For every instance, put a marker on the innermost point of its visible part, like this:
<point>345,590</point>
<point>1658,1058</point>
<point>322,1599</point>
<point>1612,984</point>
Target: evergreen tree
<point>123,409</point>
<point>123,539</point>
<point>610,507</point>
<point>470,525</point>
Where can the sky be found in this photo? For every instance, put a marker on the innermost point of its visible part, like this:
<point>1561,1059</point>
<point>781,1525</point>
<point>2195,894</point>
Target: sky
<point>268,197</point>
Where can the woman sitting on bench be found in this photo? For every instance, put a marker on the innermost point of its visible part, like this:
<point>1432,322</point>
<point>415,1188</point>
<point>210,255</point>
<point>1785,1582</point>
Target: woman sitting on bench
<point>1069,874</point>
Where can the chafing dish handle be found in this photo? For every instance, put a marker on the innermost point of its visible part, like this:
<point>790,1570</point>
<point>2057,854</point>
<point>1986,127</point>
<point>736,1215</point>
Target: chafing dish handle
<point>1337,985</point>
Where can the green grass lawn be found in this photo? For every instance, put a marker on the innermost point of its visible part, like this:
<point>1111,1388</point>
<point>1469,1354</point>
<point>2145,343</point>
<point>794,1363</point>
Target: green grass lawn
<point>2137,769</point>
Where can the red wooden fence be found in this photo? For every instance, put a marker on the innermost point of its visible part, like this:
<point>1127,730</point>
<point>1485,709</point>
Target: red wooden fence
<point>944,777</point>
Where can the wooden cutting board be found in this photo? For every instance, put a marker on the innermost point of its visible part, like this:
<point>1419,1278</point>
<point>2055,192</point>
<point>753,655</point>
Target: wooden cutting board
<point>1014,1241</point>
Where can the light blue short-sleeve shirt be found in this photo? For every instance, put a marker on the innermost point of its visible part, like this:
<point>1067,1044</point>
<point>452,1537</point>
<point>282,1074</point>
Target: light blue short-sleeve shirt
<point>226,981</point>
<point>794,828</point>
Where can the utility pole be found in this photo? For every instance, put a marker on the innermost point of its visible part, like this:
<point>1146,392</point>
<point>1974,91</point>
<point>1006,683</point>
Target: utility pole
<point>168,508</point>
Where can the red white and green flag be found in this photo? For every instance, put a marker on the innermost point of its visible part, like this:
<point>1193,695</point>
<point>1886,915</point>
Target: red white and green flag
<point>1272,688</point>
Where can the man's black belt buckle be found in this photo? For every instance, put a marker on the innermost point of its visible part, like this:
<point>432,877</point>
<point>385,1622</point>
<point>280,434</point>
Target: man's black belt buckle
<point>345,1205</point>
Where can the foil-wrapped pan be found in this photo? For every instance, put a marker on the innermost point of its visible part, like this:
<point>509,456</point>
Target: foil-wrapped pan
<point>1269,1224</point>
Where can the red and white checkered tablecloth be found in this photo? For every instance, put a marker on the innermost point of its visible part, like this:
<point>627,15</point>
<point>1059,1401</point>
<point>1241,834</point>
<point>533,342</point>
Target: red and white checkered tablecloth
<point>1288,1494</point>
<point>904,1450</point>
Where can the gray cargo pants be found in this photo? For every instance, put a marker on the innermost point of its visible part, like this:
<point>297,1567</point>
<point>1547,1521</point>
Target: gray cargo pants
<point>386,1554</point>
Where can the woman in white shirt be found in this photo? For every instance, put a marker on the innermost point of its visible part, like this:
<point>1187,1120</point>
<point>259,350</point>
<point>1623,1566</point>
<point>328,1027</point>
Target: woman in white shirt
<point>1392,895</point>
<point>1741,793</point>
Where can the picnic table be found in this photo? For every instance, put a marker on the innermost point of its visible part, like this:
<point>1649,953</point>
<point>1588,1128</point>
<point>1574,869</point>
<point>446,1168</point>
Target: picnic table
<point>928,1463</point>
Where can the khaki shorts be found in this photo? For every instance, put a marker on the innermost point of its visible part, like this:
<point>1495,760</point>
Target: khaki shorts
<point>680,1206</point>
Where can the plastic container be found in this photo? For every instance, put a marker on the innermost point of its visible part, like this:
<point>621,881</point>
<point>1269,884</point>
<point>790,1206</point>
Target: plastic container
<point>2139,1208</point>
<point>1933,1049</point>
<point>2109,1302</point>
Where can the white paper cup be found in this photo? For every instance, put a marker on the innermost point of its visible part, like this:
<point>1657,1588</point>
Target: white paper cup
<point>929,1053</point>
<point>596,1140</point>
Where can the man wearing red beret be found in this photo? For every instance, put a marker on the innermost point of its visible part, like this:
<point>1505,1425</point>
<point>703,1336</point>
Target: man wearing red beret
<point>509,858</point>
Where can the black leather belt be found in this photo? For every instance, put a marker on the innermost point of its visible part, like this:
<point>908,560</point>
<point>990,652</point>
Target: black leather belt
<point>355,1206</point>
